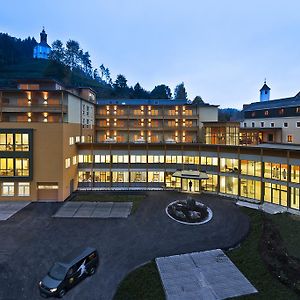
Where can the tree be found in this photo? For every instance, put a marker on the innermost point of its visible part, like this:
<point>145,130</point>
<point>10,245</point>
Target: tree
<point>121,82</point>
<point>57,52</point>
<point>72,54</point>
<point>180,92</point>
<point>102,70</point>
<point>86,63</point>
<point>96,75</point>
<point>161,92</point>
<point>139,92</point>
<point>198,100</point>
<point>107,76</point>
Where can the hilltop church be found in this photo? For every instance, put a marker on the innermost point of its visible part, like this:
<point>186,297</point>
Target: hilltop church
<point>42,49</point>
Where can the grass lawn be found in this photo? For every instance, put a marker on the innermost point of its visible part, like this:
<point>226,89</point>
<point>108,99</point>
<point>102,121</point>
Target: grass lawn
<point>141,284</point>
<point>144,283</point>
<point>99,197</point>
<point>249,262</point>
<point>289,228</point>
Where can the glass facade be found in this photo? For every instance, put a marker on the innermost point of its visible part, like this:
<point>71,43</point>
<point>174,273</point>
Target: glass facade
<point>226,175</point>
<point>251,168</point>
<point>229,165</point>
<point>250,189</point>
<point>229,185</point>
<point>275,171</point>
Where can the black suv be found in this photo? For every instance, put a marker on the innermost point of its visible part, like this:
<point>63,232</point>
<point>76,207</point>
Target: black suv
<point>72,269</point>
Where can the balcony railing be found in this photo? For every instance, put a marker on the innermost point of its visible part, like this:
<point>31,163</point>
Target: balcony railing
<point>12,108</point>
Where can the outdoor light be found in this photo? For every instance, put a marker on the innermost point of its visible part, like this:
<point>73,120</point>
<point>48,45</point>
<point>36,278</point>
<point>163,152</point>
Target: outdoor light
<point>29,120</point>
<point>45,120</point>
<point>45,114</point>
<point>29,114</point>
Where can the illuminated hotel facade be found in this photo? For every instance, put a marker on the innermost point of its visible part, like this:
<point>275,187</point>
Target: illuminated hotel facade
<point>131,144</point>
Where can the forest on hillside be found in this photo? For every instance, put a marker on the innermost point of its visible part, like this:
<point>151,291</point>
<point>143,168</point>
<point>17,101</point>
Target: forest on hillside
<point>72,65</point>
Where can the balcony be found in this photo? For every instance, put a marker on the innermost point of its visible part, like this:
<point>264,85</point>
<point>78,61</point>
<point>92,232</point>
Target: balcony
<point>12,108</point>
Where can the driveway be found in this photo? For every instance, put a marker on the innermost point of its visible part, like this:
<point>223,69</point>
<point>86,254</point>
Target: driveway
<point>32,240</point>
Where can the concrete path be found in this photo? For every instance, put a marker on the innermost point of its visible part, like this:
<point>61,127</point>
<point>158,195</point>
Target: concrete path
<point>94,210</point>
<point>202,275</point>
<point>269,208</point>
<point>9,208</point>
<point>33,240</point>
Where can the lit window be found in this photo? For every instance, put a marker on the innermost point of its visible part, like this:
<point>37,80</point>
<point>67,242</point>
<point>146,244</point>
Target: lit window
<point>77,139</point>
<point>74,160</point>
<point>8,189</point>
<point>71,140</point>
<point>266,112</point>
<point>23,189</point>
<point>67,163</point>
<point>290,138</point>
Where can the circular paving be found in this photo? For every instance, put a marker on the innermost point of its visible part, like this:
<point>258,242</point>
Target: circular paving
<point>189,212</point>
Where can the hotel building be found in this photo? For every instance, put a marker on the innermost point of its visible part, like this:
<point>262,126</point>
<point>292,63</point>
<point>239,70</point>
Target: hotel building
<point>132,144</point>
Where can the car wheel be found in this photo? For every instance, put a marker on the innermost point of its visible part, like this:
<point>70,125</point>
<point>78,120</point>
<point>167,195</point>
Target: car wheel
<point>61,293</point>
<point>92,271</point>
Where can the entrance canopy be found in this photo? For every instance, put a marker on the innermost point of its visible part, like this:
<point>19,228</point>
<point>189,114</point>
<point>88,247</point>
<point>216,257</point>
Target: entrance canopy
<point>189,174</point>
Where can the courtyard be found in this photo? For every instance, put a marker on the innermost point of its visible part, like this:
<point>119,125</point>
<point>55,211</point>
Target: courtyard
<point>33,239</point>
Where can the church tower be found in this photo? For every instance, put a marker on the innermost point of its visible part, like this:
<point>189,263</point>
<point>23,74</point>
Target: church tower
<point>43,36</point>
<point>265,92</point>
<point>42,49</point>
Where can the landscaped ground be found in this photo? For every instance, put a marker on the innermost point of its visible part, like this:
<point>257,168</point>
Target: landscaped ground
<point>136,199</point>
<point>246,258</point>
<point>32,240</point>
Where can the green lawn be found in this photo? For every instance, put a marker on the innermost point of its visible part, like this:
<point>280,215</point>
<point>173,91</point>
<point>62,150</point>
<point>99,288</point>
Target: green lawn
<point>141,284</point>
<point>289,227</point>
<point>99,197</point>
<point>249,262</point>
<point>144,283</point>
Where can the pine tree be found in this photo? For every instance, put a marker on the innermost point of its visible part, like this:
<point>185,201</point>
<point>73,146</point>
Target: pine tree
<point>180,92</point>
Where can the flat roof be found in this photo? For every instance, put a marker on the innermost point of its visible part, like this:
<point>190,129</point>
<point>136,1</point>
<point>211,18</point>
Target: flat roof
<point>279,146</point>
<point>154,102</point>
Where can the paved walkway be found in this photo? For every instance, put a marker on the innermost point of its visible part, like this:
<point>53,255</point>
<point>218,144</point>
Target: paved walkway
<point>33,240</point>
<point>269,208</point>
<point>9,208</point>
<point>94,210</point>
<point>202,275</point>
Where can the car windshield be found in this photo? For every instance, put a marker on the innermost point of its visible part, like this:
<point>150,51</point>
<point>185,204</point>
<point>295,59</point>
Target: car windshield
<point>58,271</point>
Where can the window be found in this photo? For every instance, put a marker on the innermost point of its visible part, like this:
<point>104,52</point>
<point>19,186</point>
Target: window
<point>289,138</point>
<point>262,124</point>
<point>67,163</point>
<point>22,167</point>
<point>229,185</point>
<point>285,124</point>
<point>82,139</point>
<point>272,124</point>
<point>120,159</point>
<point>281,111</point>
<point>47,186</point>
<point>102,176</point>
<point>295,174</point>
<point>120,176</point>
<point>105,159</point>
<point>85,158</point>
<point>6,167</point>
<point>245,124</point>
<point>24,189</point>
<point>229,165</point>
<point>253,124</point>
<point>250,189</point>
<point>77,139</point>
<point>211,184</point>
<point>297,124</point>
<point>74,160</point>
<point>266,112</point>
<point>21,142</point>
<point>251,168</point>
<point>275,171</point>
<point>155,176</point>
<point>8,189</point>
<point>138,159</point>
<point>6,142</point>
<point>138,177</point>
<point>71,140</point>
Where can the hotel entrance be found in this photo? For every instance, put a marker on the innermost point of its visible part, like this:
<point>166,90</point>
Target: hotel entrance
<point>194,183</point>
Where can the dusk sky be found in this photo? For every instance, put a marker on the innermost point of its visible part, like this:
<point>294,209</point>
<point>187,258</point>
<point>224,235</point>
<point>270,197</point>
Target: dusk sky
<point>221,50</point>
